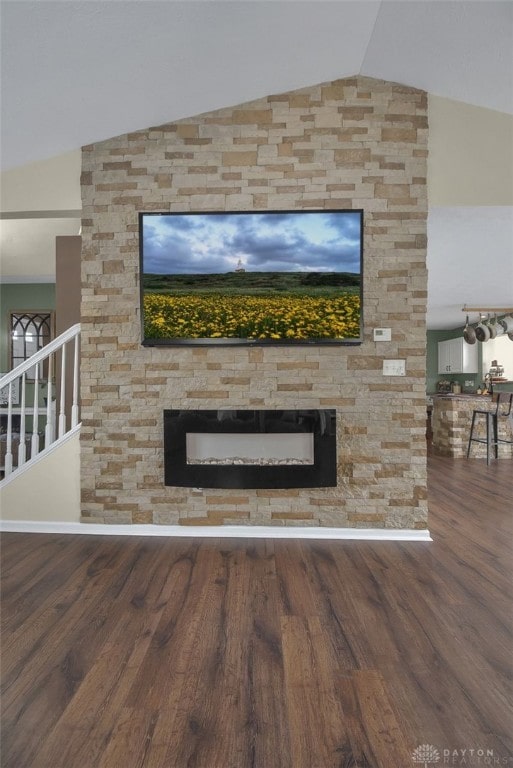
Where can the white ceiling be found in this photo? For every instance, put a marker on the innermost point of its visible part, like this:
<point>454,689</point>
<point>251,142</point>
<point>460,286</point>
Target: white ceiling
<point>79,72</point>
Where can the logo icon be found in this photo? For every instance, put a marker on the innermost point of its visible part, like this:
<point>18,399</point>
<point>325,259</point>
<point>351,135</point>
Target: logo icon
<point>425,755</point>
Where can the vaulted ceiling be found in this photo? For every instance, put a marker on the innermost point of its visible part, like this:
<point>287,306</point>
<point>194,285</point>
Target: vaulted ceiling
<point>82,71</point>
<point>78,72</point>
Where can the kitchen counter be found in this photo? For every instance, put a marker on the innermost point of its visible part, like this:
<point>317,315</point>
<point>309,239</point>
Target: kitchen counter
<point>462,396</point>
<point>451,421</point>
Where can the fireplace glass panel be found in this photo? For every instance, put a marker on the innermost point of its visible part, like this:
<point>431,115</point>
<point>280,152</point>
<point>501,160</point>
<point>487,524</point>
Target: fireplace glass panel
<point>253,449</point>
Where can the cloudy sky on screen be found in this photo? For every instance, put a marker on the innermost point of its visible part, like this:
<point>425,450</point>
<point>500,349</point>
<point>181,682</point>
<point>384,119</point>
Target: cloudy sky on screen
<point>265,242</point>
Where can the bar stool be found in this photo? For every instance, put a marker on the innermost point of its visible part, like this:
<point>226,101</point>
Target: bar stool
<point>504,402</point>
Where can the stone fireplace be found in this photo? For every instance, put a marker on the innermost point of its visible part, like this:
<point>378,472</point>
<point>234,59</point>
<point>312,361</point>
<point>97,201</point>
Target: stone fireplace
<point>353,143</point>
<point>247,448</point>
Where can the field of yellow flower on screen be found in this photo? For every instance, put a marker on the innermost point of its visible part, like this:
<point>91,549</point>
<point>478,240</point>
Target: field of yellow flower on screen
<point>219,315</point>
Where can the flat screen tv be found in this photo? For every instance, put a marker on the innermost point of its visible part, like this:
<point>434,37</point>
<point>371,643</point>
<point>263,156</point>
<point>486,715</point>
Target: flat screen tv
<point>259,277</point>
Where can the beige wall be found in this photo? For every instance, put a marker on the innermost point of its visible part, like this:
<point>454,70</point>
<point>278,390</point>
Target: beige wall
<point>49,490</point>
<point>352,143</point>
<point>470,155</point>
<point>48,185</point>
<point>27,242</point>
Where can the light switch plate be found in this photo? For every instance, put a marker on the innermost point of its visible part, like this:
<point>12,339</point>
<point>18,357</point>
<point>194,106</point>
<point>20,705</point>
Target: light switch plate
<point>394,367</point>
<point>382,334</point>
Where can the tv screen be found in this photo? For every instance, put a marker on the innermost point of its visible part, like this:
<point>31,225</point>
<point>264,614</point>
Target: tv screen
<point>267,277</point>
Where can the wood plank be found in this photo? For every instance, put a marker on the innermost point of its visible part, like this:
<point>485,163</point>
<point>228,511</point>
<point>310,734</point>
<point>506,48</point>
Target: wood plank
<point>378,738</point>
<point>318,734</point>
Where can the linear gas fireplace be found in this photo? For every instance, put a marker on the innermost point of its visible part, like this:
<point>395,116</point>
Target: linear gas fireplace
<point>250,448</point>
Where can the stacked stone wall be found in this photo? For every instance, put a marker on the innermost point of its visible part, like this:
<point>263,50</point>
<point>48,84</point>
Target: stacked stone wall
<point>354,143</point>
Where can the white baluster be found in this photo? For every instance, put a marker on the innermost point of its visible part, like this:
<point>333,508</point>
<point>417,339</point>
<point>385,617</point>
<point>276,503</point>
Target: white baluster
<point>49,415</point>
<point>22,450</point>
<point>8,447</point>
<point>74,407</point>
<point>62,413</point>
<point>35,417</point>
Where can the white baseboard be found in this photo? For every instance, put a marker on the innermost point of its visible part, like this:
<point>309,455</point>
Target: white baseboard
<point>218,531</point>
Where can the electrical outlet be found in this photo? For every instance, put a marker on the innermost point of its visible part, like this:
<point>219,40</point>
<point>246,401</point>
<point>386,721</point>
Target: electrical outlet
<point>394,367</point>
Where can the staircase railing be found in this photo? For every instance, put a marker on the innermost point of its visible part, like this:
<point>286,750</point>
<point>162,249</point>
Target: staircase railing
<point>49,367</point>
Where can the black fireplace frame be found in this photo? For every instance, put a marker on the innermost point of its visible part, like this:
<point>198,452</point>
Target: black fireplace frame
<point>319,422</point>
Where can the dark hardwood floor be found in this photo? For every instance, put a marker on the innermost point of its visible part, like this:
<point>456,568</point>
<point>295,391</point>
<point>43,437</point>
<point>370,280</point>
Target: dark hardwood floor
<point>189,653</point>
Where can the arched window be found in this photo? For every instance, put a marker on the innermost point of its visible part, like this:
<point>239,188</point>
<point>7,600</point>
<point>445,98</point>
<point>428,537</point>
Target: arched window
<point>29,332</point>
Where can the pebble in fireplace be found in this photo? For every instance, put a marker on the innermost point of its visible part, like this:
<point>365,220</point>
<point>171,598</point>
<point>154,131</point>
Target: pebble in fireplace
<point>250,448</point>
<point>264,461</point>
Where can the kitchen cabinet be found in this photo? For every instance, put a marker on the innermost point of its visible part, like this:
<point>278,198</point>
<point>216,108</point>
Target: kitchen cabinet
<point>456,356</point>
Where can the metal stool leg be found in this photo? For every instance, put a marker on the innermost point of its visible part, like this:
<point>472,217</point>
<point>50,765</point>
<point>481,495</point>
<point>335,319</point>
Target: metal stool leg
<point>471,434</point>
<point>488,436</point>
<point>495,435</point>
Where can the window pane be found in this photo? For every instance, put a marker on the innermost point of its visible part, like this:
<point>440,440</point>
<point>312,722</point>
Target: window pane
<point>30,331</point>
